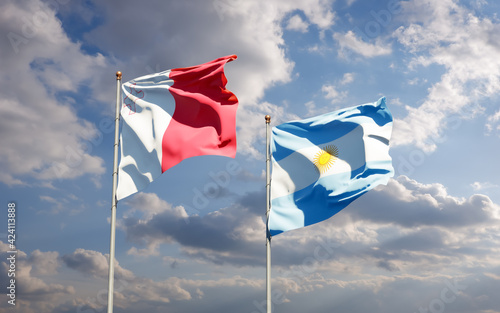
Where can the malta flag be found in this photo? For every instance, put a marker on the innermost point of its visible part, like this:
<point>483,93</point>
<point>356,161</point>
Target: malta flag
<point>171,116</point>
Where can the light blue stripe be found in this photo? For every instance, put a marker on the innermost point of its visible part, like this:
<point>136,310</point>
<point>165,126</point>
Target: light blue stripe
<point>295,135</point>
<point>326,197</point>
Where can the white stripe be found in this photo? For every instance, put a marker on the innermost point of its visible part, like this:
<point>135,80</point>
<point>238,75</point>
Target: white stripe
<point>150,121</point>
<point>353,153</point>
<point>142,79</point>
<point>142,160</point>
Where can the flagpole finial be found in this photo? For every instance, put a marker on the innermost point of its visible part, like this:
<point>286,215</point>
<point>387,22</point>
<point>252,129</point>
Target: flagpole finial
<point>268,119</point>
<point>118,75</point>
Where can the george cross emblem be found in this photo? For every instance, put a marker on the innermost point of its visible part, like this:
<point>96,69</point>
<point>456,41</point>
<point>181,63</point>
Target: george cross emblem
<point>131,99</point>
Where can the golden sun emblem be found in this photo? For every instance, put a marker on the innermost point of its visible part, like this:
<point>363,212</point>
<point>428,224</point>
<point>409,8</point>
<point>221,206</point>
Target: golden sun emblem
<point>325,158</point>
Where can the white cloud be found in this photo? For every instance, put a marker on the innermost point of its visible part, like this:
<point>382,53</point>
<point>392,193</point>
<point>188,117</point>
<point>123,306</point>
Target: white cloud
<point>150,250</point>
<point>412,204</point>
<point>209,237</point>
<point>42,135</point>
<point>313,110</point>
<point>321,49</point>
<point>296,23</point>
<point>349,44</point>
<point>135,292</point>
<point>347,78</point>
<point>37,294</point>
<point>493,125</point>
<point>445,33</point>
<point>417,81</point>
<point>331,93</point>
<point>94,263</point>
<point>44,263</point>
<point>173,262</point>
<point>318,12</point>
<point>484,185</point>
<point>396,234</point>
<point>401,227</point>
<point>131,291</point>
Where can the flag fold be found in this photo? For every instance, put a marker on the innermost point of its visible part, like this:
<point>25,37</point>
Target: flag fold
<point>321,164</point>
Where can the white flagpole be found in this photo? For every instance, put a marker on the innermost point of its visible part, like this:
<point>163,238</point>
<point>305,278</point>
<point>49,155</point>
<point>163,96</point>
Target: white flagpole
<point>268,204</point>
<point>111,274</point>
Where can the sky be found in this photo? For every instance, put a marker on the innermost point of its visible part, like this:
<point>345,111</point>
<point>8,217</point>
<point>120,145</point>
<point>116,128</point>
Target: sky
<point>427,242</point>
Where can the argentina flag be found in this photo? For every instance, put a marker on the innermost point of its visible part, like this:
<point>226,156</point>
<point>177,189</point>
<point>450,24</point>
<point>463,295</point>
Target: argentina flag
<point>322,164</point>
